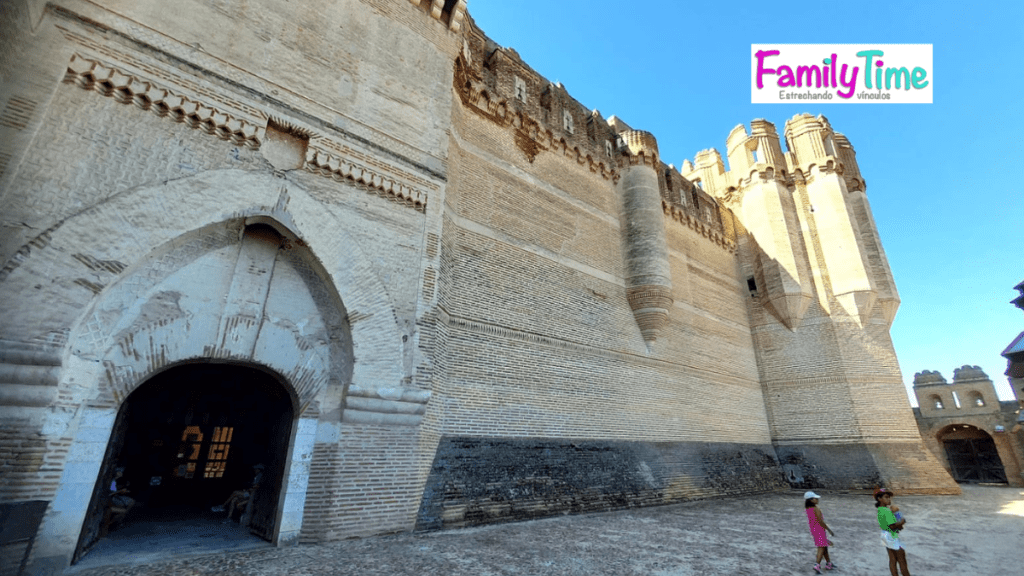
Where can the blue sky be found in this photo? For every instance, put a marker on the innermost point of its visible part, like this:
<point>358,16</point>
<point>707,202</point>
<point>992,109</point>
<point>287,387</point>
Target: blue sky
<point>941,177</point>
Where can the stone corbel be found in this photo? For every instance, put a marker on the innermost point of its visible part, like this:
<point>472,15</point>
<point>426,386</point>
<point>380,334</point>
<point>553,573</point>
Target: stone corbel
<point>458,14</point>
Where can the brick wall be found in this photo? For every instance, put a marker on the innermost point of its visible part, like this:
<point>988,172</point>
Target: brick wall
<point>475,244</point>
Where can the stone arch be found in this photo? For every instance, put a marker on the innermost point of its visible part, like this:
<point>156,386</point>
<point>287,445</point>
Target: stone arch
<point>106,358</point>
<point>971,453</point>
<point>201,430</point>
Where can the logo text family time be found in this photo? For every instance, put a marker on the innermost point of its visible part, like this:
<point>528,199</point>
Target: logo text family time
<point>841,73</point>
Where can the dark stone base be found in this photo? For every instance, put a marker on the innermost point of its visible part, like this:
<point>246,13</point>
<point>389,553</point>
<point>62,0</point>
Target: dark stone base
<point>907,467</point>
<point>838,467</point>
<point>485,480</point>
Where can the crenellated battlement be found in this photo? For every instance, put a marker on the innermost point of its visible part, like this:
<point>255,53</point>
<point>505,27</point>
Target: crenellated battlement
<point>971,392</point>
<point>449,12</point>
<point>816,187</point>
<point>640,142</point>
<point>494,82</point>
<point>811,147</point>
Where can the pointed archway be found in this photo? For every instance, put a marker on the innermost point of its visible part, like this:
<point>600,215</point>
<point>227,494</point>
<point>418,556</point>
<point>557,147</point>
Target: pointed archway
<point>237,297</point>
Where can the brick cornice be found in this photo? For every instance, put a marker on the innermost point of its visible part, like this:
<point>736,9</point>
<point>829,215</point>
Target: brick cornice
<point>128,88</point>
<point>335,164</point>
<point>323,156</point>
<point>698,226</point>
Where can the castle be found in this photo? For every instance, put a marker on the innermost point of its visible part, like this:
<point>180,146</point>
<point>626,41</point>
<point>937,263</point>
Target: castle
<point>358,243</point>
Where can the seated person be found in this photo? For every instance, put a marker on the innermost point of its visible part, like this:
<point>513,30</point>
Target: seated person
<point>118,503</point>
<point>239,500</point>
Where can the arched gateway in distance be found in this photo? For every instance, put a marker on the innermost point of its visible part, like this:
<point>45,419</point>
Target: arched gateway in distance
<point>974,435</point>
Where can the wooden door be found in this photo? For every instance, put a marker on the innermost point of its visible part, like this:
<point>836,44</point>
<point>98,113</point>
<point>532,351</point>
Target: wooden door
<point>975,460</point>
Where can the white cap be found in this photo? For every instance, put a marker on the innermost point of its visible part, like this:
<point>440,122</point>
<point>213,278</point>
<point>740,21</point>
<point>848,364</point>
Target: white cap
<point>809,495</point>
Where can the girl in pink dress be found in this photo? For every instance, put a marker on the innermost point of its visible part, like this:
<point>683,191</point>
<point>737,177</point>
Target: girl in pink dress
<point>818,528</point>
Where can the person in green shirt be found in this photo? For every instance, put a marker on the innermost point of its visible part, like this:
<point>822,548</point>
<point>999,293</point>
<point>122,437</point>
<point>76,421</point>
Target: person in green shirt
<point>891,525</point>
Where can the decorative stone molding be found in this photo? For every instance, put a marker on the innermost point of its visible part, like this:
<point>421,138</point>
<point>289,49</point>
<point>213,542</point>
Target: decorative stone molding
<point>385,406</point>
<point>127,88</point>
<point>697,225</point>
<point>28,373</point>
<point>650,304</point>
<point>649,296</point>
<point>436,8</point>
<point>627,160</point>
<point>530,134</point>
<point>335,165</point>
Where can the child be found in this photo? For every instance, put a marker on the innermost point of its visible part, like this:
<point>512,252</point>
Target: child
<point>891,524</point>
<point>818,528</point>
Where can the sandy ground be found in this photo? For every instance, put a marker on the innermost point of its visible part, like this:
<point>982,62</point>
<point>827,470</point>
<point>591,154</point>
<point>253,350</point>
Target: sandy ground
<point>979,533</point>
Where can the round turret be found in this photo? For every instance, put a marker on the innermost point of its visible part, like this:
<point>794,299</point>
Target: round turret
<point>810,138</point>
<point>648,274</point>
<point>640,142</point>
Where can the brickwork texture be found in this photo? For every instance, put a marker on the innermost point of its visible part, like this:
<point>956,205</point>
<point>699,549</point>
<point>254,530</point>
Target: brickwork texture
<point>486,302</point>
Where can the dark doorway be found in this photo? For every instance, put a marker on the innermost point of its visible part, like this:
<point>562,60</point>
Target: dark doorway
<point>972,456</point>
<point>185,440</point>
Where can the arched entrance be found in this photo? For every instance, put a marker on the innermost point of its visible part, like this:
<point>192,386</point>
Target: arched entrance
<point>971,454</point>
<point>183,442</point>
<point>197,287</point>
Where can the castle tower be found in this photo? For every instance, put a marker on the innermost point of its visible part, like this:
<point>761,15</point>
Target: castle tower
<point>839,257</point>
<point>888,299</point>
<point>648,276</point>
<point>838,412</point>
<point>759,194</point>
<point>708,169</point>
